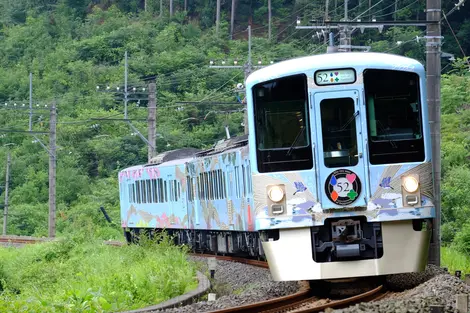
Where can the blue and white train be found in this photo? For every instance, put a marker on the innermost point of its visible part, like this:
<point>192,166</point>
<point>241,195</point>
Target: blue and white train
<point>333,181</point>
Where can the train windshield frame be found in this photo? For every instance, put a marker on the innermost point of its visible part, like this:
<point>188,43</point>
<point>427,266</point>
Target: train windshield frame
<point>282,124</point>
<point>394,116</point>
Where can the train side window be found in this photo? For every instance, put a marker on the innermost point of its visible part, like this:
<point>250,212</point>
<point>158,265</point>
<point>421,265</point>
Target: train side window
<point>211,185</point>
<point>237,187</point>
<point>216,184</point>
<point>178,194</point>
<point>199,187</point>
<point>154,190</point>
<point>160,190</point>
<point>143,191</point>
<point>149,191</point>
<point>224,185</point>
<point>134,192</point>
<point>204,186</point>
<point>137,191</point>
<point>188,188</point>
<point>219,179</point>
<point>208,189</point>
<point>165,192</point>
<point>244,180</point>
<point>175,183</point>
<point>216,193</point>
<point>250,182</point>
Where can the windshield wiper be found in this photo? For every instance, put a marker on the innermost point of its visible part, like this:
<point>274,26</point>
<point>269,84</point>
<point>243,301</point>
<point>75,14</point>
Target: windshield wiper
<point>392,142</point>
<point>351,119</point>
<point>295,141</point>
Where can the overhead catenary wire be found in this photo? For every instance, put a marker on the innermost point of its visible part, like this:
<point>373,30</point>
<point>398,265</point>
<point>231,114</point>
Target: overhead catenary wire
<point>456,39</point>
<point>396,11</point>
<point>368,10</point>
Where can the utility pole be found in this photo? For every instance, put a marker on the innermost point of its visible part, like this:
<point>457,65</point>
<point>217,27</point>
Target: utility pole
<point>217,18</point>
<point>30,101</point>
<point>171,8</point>
<point>7,182</point>
<point>433,85</point>
<point>270,19</point>
<point>52,170</point>
<point>152,120</point>
<point>232,18</point>
<point>247,69</point>
<point>125,85</point>
<point>326,18</point>
<point>345,32</point>
<point>161,8</point>
<point>396,9</point>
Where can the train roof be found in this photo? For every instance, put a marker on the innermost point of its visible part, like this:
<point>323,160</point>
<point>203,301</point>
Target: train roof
<point>225,145</point>
<point>334,60</point>
<point>184,155</point>
<point>173,155</point>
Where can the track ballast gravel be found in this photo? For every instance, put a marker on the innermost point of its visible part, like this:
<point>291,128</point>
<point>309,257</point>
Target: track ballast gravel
<point>237,284</point>
<point>432,287</point>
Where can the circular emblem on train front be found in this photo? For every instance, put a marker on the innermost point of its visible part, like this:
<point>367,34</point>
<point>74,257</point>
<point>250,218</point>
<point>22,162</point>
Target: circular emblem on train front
<point>343,187</point>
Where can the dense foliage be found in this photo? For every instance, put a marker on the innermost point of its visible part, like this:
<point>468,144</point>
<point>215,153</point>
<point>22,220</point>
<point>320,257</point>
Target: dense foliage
<point>72,46</point>
<point>83,275</point>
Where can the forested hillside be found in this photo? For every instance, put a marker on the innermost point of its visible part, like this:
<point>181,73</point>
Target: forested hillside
<point>73,46</point>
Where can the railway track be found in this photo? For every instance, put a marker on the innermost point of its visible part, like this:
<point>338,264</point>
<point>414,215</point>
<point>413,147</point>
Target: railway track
<point>303,302</point>
<point>21,240</point>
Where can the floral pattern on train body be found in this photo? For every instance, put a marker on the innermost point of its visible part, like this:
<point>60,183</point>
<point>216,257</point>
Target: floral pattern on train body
<point>234,212</point>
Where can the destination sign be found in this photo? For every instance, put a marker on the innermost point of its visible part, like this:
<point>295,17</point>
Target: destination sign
<point>334,77</point>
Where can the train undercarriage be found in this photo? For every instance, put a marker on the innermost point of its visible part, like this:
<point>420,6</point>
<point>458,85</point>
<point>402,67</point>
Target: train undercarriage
<point>242,244</point>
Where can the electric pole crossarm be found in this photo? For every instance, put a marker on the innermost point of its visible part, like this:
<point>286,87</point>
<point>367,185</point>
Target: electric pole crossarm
<point>225,66</point>
<point>52,171</point>
<point>5,208</point>
<point>22,131</point>
<point>388,23</point>
<point>316,27</point>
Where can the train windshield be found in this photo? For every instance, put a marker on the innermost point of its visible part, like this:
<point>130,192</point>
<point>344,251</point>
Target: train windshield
<point>282,124</point>
<point>394,116</point>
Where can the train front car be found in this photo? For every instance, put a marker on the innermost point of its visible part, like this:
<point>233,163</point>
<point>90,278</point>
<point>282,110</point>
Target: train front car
<point>341,163</point>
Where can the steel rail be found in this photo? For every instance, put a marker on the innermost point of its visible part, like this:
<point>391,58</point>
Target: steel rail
<point>303,298</point>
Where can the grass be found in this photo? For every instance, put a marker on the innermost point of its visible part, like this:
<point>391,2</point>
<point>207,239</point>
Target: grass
<point>455,260</point>
<point>81,275</point>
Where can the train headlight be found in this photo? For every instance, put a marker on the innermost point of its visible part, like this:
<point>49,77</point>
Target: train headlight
<point>410,183</point>
<point>276,194</point>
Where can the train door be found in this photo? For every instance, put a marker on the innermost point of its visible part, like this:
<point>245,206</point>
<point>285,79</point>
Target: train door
<point>340,152</point>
